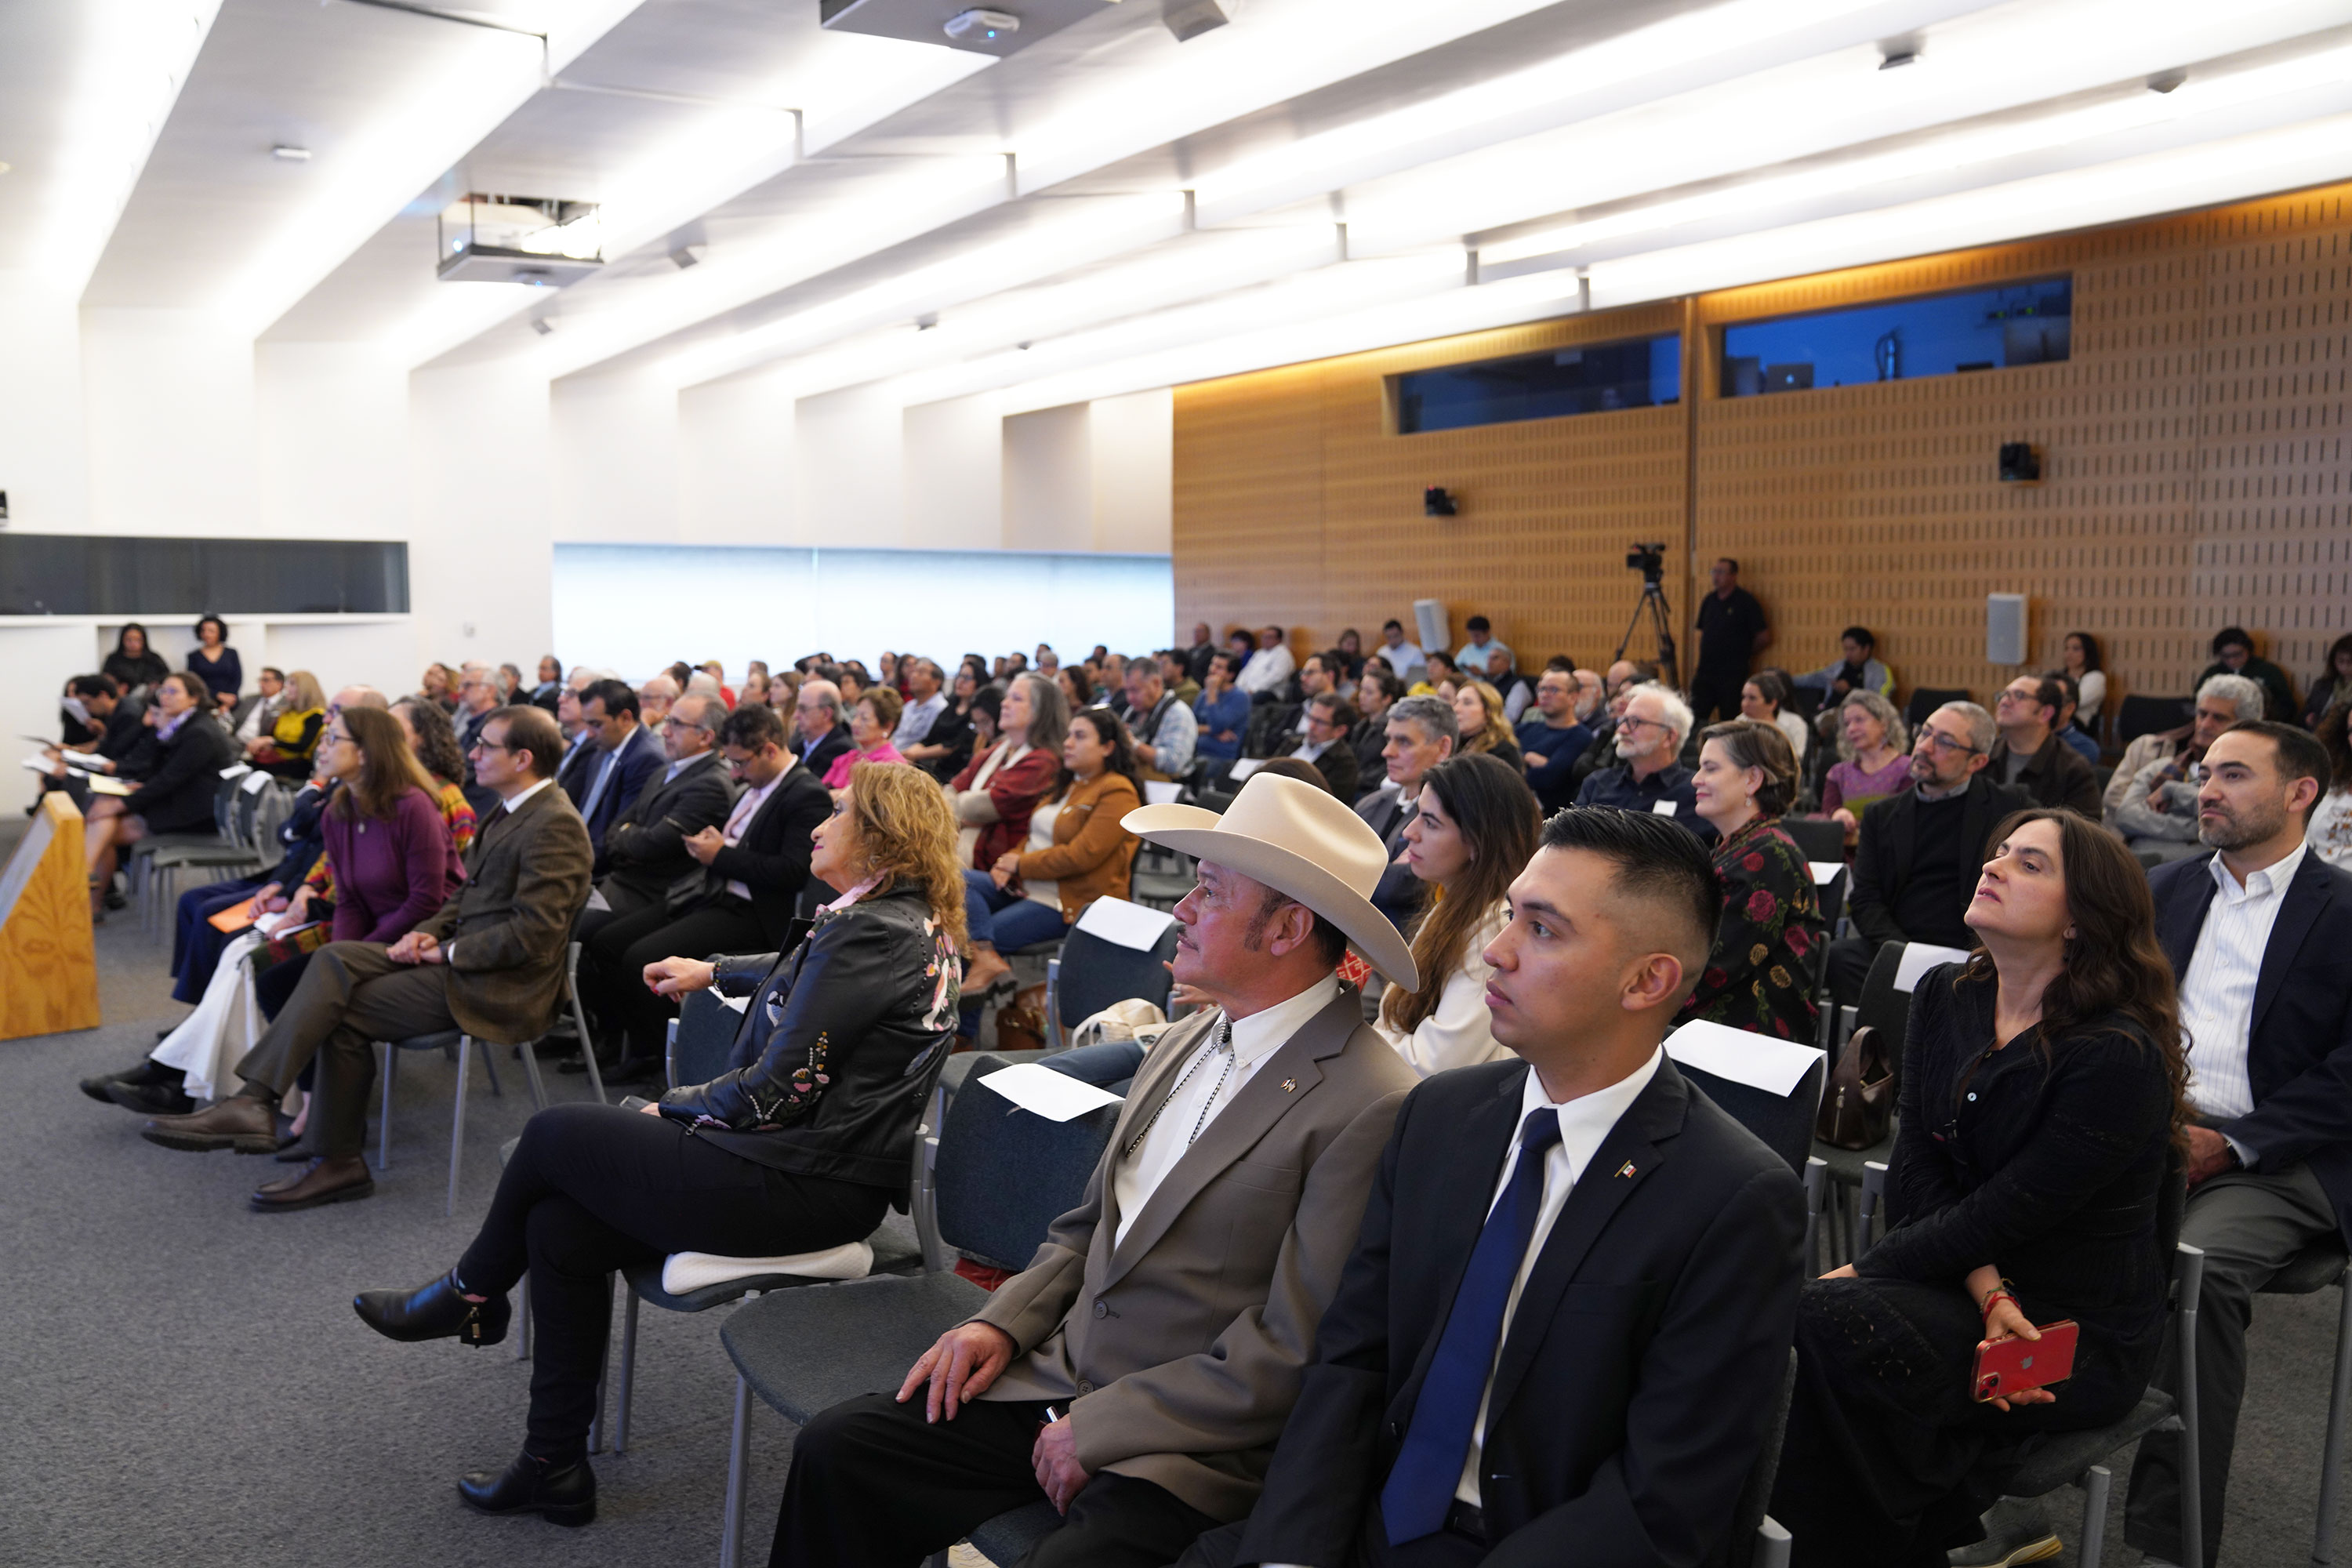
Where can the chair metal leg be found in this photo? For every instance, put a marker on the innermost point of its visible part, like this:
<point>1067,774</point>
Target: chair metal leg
<point>2096,1481</point>
<point>458,1121</point>
<point>2192,1504</point>
<point>1772,1544</point>
<point>628,1371</point>
<point>522,1314</point>
<point>1817,1181</point>
<point>384,1116</point>
<point>604,1371</point>
<point>530,1049</point>
<point>490,1066</point>
<point>588,1052</point>
<point>731,1535</point>
<point>2331,1462</point>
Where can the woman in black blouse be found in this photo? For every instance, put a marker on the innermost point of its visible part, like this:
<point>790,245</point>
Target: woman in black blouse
<point>134,664</point>
<point>2041,1101</point>
<point>799,1147</point>
<point>223,671</point>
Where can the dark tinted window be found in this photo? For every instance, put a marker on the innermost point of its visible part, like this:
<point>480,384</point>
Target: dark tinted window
<point>86,574</point>
<point>1593,378</point>
<point>1941,334</point>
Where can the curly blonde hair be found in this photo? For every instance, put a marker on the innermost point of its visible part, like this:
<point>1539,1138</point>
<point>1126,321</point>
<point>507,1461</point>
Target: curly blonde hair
<point>907,830</point>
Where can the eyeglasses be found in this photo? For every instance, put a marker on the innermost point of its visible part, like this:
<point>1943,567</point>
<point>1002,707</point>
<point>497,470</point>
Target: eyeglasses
<point>1938,739</point>
<point>2015,697</point>
<point>682,724</point>
<point>490,746</point>
<point>1631,722</point>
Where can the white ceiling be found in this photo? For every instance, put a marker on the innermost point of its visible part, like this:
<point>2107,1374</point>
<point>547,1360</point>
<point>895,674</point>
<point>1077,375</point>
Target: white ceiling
<point>1106,207</point>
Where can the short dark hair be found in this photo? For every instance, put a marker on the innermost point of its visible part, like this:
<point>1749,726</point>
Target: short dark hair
<point>614,695</point>
<point>1478,624</point>
<point>1727,561</point>
<point>1279,634</point>
<point>533,730</point>
<point>1340,712</point>
<point>273,669</point>
<point>93,686</point>
<point>752,726</point>
<point>1386,625</point>
<point>209,619</point>
<point>193,684</point>
<point>2298,754</point>
<point>2047,693</point>
<point>2067,685</point>
<point>2232,636</point>
<point>1657,861</point>
<point>1862,634</point>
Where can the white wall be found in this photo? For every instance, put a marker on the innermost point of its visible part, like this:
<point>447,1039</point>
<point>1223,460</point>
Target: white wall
<point>168,397</point>
<point>42,466</point>
<point>735,454</point>
<point>481,535</point>
<point>330,441</point>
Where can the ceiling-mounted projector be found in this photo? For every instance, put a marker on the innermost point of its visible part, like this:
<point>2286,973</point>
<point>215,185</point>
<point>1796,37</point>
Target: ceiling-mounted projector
<point>495,238</point>
<point>984,27</point>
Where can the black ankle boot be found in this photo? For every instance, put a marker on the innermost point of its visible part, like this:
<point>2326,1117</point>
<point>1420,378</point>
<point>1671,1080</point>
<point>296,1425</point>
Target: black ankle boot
<point>439,1311</point>
<point>563,1494</point>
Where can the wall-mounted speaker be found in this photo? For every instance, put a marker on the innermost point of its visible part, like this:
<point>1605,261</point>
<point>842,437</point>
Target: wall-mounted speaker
<point>1429,625</point>
<point>2004,629</point>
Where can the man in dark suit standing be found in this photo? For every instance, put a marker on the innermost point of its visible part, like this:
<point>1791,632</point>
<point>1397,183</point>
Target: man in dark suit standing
<point>490,962</point>
<point>2258,932</point>
<point>1915,866</point>
<point>627,754</point>
<point>645,849</point>
<point>1559,1336</point>
<point>748,872</point>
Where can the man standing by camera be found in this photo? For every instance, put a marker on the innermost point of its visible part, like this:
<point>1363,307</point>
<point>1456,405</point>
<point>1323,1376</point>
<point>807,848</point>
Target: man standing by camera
<point>1732,632</point>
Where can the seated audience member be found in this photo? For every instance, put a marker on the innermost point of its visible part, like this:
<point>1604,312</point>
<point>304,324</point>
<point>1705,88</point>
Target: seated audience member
<point>1855,669</point>
<point>1603,752</point>
<point>511,686</point>
<point>478,699</point>
<point>2029,756</point>
<point>1164,729</point>
<point>702,683</point>
<point>1648,777</point>
<point>134,666</point>
<point>1420,734</point>
<point>644,850</point>
<point>2330,834</point>
<point>872,719</point>
<point>433,742</point>
<point>1405,659</point>
<point>740,899</point>
<point>2333,685</point>
<point>1552,739</point>
<point>489,962</point>
<point>1077,688</point>
<point>2182,744</point>
<point>926,698</point>
<point>1280,724</point>
<point>2081,661</point>
<point>176,797</point>
<point>438,685</point>
<point>292,738</point>
<point>2041,1101</point>
<point>1077,850</point>
<point>1203,647</point>
<point>1176,675</point>
<point>582,756</point>
<point>217,663</point>
<point>1350,648</point>
<point>2074,739</point>
<point>1912,860</point>
<point>1437,669</point>
<point>1294,768</point>
<point>262,713</point>
<point>817,727</point>
<point>1000,788</point>
<point>626,755</point>
<point>1560,1333</point>
<point>1763,697</point>
<point>108,735</point>
<point>1873,760</point>
<point>1326,745</point>
<point>1478,716</point>
<point>1147,1408</point>
<point>945,746</point>
<point>2257,934</point>
<point>2156,811</point>
<point>755,689</point>
<point>1760,976</point>
<point>1472,832</point>
<point>2234,654</point>
<point>1377,691</point>
<point>653,698</point>
<point>1049,663</point>
<point>1478,656</point>
<point>1222,712</point>
<point>1270,668</point>
<point>549,684</point>
<point>869,992</point>
<point>717,673</point>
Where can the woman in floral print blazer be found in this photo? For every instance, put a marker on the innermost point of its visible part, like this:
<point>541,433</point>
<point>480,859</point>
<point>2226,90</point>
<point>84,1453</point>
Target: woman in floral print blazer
<point>1760,976</point>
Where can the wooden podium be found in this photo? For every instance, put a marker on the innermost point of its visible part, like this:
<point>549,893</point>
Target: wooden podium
<point>48,968</point>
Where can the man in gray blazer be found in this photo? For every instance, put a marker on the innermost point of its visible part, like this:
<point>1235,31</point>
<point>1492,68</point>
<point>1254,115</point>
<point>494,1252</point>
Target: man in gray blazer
<point>1139,1370</point>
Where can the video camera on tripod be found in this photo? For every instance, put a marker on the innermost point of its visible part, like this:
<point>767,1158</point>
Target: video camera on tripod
<point>1650,560</point>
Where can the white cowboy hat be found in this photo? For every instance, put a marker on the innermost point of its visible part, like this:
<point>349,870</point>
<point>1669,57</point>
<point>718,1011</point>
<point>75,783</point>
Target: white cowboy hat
<point>1304,843</point>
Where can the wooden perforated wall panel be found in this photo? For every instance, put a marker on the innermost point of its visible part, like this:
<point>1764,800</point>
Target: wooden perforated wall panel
<point>2194,459</point>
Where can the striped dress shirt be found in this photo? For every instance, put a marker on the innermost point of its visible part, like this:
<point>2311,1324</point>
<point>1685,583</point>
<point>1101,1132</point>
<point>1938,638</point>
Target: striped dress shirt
<point>2217,994</point>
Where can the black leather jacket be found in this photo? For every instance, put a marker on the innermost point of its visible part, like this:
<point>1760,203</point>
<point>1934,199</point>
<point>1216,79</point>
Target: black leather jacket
<point>844,1038</point>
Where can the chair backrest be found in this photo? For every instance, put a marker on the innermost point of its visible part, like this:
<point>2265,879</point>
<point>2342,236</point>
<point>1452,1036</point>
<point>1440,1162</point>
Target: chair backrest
<point>703,1040</point>
<point>1095,974</point>
<point>1756,1496</point>
<point>1818,836</point>
<point>1832,898</point>
<point>1783,1122</point>
<point>1927,699</point>
<point>1005,1174</point>
<point>1885,1008</point>
<point>2151,715</point>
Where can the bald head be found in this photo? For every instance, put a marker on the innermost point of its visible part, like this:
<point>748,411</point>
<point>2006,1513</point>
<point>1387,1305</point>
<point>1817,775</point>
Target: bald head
<point>359,697</point>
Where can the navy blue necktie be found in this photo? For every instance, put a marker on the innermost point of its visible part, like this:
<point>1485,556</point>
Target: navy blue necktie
<point>1428,1469</point>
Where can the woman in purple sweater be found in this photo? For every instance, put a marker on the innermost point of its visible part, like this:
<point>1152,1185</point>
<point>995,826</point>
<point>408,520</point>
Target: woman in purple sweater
<point>394,860</point>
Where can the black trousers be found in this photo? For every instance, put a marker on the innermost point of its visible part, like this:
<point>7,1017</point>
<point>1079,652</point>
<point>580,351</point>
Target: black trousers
<point>1715,692</point>
<point>1445,1549</point>
<point>614,959</point>
<point>593,1188</point>
<point>875,1485</point>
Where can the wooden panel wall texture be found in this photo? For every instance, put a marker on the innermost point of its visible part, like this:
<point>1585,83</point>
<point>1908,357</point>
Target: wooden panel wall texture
<point>2194,461</point>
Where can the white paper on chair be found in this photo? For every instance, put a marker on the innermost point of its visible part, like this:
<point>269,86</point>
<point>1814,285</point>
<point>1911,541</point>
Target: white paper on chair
<point>255,783</point>
<point>1243,767</point>
<point>740,1003</point>
<point>1129,925</point>
<point>237,770</point>
<point>1760,1061</point>
<point>88,761</point>
<point>1162,792</point>
<point>1825,871</point>
<point>1919,957</point>
<point>597,901</point>
<point>1038,1089</point>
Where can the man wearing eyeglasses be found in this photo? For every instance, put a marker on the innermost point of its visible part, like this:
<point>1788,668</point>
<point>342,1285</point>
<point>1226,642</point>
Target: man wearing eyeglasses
<point>1917,863</point>
<point>1649,776</point>
<point>2030,757</point>
<point>645,849</point>
<point>478,699</point>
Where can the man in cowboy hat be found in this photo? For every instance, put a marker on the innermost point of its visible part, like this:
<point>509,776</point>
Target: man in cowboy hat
<point>1137,1372</point>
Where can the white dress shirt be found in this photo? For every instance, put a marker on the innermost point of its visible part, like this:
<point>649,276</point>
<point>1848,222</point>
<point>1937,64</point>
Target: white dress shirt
<point>739,821</point>
<point>1206,1090</point>
<point>1267,668</point>
<point>1461,1033</point>
<point>2217,994</point>
<point>1404,658</point>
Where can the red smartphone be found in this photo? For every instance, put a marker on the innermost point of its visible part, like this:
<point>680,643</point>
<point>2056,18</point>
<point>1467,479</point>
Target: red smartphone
<point>2012,1366</point>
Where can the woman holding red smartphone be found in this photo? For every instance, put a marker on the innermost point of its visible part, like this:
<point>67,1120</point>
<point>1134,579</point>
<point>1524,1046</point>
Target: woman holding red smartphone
<point>2042,1100</point>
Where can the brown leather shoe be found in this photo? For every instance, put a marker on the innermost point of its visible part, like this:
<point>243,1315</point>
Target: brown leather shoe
<point>245,1125</point>
<point>322,1181</point>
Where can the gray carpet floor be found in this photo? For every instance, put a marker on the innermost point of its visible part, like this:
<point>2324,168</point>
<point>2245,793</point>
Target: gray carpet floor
<point>184,1381</point>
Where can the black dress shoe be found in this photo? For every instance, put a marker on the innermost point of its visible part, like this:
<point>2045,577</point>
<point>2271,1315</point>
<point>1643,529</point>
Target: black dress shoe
<point>561,1494</point>
<point>150,1098</point>
<point>439,1311</point>
<point>146,1070</point>
<point>322,1181</point>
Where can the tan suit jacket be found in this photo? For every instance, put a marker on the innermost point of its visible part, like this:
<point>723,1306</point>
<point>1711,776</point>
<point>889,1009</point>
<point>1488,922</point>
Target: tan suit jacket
<point>505,929</point>
<point>1181,1349</point>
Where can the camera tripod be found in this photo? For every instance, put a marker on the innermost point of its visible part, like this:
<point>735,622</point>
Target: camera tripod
<point>1653,604</point>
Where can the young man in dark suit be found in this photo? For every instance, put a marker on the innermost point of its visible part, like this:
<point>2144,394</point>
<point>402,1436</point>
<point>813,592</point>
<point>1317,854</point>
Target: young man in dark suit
<point>645,849</point>
<point>627,754</point>
<point>1561,1332</point>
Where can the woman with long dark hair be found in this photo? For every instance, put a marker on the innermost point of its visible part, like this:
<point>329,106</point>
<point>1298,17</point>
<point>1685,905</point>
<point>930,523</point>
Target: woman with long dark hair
<point>2334,684</point>
<point>1474,829</point>
<point>2043,1111</point>
<point>135,664</point>
<point>2330,831</point>
<point>2084,663</point>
